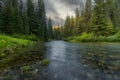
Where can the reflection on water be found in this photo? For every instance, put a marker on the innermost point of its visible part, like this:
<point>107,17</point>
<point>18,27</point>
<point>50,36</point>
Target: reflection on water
<point>57,51</point>
<point>72,61</point>
<point>102,60</point>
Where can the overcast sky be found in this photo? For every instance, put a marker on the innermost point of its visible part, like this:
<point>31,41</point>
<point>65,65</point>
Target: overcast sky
<point>58,9</point>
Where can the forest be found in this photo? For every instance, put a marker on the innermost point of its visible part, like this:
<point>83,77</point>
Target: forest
<point>24,18</point>
<point>86,45</point>
<point>97,21</point>
<point>93,21</point>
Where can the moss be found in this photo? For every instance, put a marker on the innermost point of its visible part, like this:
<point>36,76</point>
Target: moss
<point>45,62</point>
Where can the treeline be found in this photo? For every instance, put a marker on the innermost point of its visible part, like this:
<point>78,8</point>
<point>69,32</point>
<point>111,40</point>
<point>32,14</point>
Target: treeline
<point>20,17</point>
<point>100,17</point>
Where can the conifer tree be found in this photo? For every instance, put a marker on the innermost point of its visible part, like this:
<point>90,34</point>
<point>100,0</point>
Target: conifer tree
<point>117,13</point>
<point>67,27</point>
<point>17,23</point>
<point>7,18</point>
<point>98,20</point>
<point>43,33</point>
<point>26,28</point>
<point>30,14</point>
<point>50,29</point>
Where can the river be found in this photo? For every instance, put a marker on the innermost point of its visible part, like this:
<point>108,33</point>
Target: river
<point>75,61</point>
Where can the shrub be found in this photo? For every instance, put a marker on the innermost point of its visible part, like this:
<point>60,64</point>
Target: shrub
<point>28,37</point>
<point>117,34</point>
<point>9,44</point>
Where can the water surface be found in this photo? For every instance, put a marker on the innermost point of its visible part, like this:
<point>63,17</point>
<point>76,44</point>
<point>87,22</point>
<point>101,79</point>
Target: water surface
<point>74,61</point>
<point>69,62</point>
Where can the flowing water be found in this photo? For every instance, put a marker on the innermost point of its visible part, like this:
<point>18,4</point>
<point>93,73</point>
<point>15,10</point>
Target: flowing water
<point>74,61</point>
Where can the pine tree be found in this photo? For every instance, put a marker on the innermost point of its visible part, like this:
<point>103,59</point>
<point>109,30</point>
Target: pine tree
<point>117,13</point>
<point>57,32</point>
<point>0,14</point>
<point>109,8</point>
<point>77,17</point>
<point>88,6</point>
<point>26,28</point>
<point>67,29</point>
<point>0,6</point>
<point>72,26</point>
<point>7,18</point>
<point>30,14</point>
<point>17,23</point>
<point>84,20</point>
<point>98,20</point>
<point>43,33</point>
<point>50,29</point>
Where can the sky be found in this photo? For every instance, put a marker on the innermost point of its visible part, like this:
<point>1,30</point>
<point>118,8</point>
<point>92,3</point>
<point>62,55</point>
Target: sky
<point>59,9</point>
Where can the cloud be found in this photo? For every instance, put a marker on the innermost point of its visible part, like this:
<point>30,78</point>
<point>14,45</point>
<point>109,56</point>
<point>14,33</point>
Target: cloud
<point>59,9</point>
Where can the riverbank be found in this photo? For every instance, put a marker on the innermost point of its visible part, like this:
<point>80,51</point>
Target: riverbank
<point>18,51</point>
<point>9,44</point>
<point>90,37</point>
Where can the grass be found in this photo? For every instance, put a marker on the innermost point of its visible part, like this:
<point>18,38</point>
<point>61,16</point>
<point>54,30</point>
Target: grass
<point>90,37</point>
<point>28,37</point>
<point>7,41</point>
<point>9,44</point>
<point>24,53</point>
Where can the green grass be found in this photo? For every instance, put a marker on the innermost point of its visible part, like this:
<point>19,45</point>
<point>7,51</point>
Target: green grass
<point>10,44</point>
<point>18,52</point>
<point>28,37</point>
<point>90,37</point>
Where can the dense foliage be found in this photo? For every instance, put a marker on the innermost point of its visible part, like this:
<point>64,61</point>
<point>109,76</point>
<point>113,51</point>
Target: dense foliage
<point>99,18</point>
<point>18,17</point>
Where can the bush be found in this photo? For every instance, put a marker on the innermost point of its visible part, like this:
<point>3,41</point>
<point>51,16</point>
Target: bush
<point>90,37</point>
<point>8,44</point>
<point>84,37</point>
<point>28,37</point>
<point>117,34</point>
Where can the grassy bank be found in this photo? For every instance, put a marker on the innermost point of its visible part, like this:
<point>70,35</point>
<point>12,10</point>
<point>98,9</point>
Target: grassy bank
<point>9,44</point>
<point>22,57</point>
<point>90,37</point>
<point>20,50</point>
<point>10,50</point>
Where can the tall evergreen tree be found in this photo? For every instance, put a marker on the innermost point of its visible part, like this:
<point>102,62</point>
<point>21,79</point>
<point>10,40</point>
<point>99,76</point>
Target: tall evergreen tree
<point>17,22</point>
<point>21,8</point>
<point>26,28</point>
<point>50,29</point>
<point>117,13</point>
<point>0,6</point>
<point>77,17</point>
<point>43,33</point>
<point>30,14</point>
<point>7,18</point>
<point>98,20</point>
<point>67,29</point>
<point>0,14</point>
